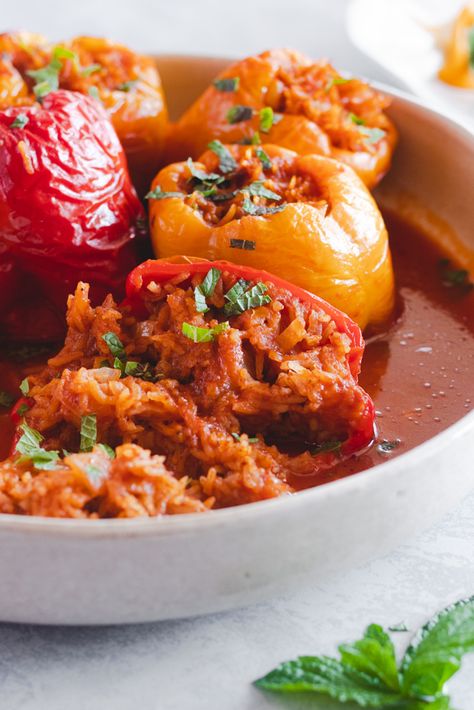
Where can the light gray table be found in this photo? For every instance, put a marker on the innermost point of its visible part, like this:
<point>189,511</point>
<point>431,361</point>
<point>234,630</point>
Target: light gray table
<point>209,663</point>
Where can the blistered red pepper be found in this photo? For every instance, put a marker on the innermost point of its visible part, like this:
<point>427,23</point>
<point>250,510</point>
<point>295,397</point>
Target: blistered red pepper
<point>68,212</point>
<point>163,270</point>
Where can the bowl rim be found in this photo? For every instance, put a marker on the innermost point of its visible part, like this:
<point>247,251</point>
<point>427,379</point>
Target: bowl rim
<point>173,524</point>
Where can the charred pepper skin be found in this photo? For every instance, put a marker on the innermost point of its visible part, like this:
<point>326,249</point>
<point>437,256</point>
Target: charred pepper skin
<point>68,211</point>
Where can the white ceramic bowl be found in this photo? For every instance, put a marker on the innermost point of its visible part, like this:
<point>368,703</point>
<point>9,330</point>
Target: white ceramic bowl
<point>115,571</point>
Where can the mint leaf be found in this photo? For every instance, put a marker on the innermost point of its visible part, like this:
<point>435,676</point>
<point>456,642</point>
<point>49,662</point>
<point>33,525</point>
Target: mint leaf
<point>24,386</point>
<point>115,345</point>
<point>159,194</point>
<point>373,654</point>
<point>264,159</point>
<point>210,281</point>
<point>435,653</point>
<point>88,432</point>
<point>28,445</point>
<point>202,335</point>
<point>227,85</point>
<point>238,113</point>
<point>321,674</point>
<point>20,121</point>
<point>226,161</point>
<point>257,188</point>
<point>240,300</point>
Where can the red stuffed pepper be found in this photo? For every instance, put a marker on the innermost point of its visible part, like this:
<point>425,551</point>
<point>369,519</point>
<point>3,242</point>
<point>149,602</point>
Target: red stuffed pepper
<point>68,211</point>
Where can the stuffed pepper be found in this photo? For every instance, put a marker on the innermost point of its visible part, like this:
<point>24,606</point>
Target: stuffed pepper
<point>211,385</point>
<point>127,84</point>
<point>307,218</point>
<point>288,99</point>
<point>67,211</point>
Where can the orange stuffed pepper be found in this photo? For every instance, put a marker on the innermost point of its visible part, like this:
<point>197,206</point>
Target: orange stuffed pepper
<point>308,219</point>
<point>295,102</point>
<point>127,84</point>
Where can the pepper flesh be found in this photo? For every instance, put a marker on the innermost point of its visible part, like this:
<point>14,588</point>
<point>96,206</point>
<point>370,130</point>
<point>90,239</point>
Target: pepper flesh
<point>127,84</point>
<point>315,110</point>
<point>329,238</point>
<point>67,211</point>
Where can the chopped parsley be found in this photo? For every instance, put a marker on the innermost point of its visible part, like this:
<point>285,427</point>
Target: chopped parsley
<point>159,194</point>
<point>205,289</point>
<point>115,345</point>
<point>326,447</point>
<point>356,119</point>
<point>88,432</point>
<point>254,139</point>
<point>259,210</point>
<point>246,244</point>
<point>47,78</point>
<point>335,81</point>
<point>240,297</point>
<point>127,368</point>
<point>238,113</point>
<point>127,85</point>
<point>202,335</point>
<point>107,450</point>
<point>258,189</point>
<point>20,121</point>
<point>6,400</point>
<point>264,159</point>
<point>227,85</point>
<point>24,386</point>
<point>91,69</point>
<point>29,446</point>
<point>251,439</point>
<point>226,162</point>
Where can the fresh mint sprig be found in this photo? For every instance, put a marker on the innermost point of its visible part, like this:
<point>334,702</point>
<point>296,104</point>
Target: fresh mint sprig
<point>367,673</point>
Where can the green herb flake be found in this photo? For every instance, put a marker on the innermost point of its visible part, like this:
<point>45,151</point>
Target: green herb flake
<point>93,92</point>
<point>260,210</point>
<point>115,345</point>
<point>127,85</point>
<point>226,162</point>
<point>20,121</point>
<point>250,439</point>
<point>47,78</point>
<point>258,189</point>
<point>24,386</point>
<point>88,432</point>
<point>227,85</point>
<point>399,628</point>
<point>6,400</point>
<point>90,69</point>
<point>455,278</point>
<point>202,335</point>
<point>246,244</point>
<point>356,119</point>
<point>210,281</point>
<point>159,194</point>
<point>335,81</point>
<point>266,117</point>
<point>200,300</point>
<point>28,445</point>
<point>106,449</point>
<point>373,135</point>
<point>326,447</point>
<point>95,475</point>
<point>264,159</point>
<point>242,298</point>
<point>238,113</point>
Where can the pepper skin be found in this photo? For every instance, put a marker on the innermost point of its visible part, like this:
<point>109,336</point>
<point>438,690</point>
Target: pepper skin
<point>315,111</point>
<point>328,238</point>
<point>68,211</point>
<point>164,270</point>
<point>127,84</point>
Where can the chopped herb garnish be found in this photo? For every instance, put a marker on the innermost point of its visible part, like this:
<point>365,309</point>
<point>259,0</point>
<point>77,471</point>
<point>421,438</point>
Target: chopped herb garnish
<point>64,53</point>
<point>93,92</point>
<point>251,439</point>
<point>6,400</point>
<point>127,85</point>
<point>115,345</point>
<point>226,162</point>
<point>373,135</point>
<point>200,300</point>
<point>335,81</point>
<point>242,298</point>
<point>107,450</point>
<point>237,114</point>
<point>159,194</point>
<point>20,121</point>
<point>94,474</point>
<point>204,182</point>
<point>24,386</point>
<point>227,85</point>
<point>401,627</point>
<point>88,432</point>
<point>91,69</point>
<point>455,277</point>
<point>221,196</point>
<point>22,409</point>
<point>47,78</point>
<point>356,119</point>
<point>258,189</point>
<point>202,335</point>
<point>254,139</point>
<point>264,159</point>
<point>29,447</point>
<point>247,244</point>
<point>385,446</point>
<point>210,281</point>
<point>326,447</point>
<point>266,116</point>
<point>260,210</point>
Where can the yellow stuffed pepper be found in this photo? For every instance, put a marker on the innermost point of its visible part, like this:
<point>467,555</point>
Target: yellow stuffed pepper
<point>308,219</point>
<point>295,102</point>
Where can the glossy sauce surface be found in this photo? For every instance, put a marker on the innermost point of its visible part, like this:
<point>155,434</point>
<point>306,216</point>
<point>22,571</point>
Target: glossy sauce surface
<point>419,372</point>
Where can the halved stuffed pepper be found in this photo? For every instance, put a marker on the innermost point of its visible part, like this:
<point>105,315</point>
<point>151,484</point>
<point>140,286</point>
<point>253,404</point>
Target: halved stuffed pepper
<point>212,385</point>
<point>126,83</point>
<point>306,218</point>
<point>293,101</point>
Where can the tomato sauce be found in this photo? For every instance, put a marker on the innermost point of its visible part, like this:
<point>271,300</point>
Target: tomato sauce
<point>418,372</point>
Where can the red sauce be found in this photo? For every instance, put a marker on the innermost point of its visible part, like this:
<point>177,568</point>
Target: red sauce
<point>419,372</point>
